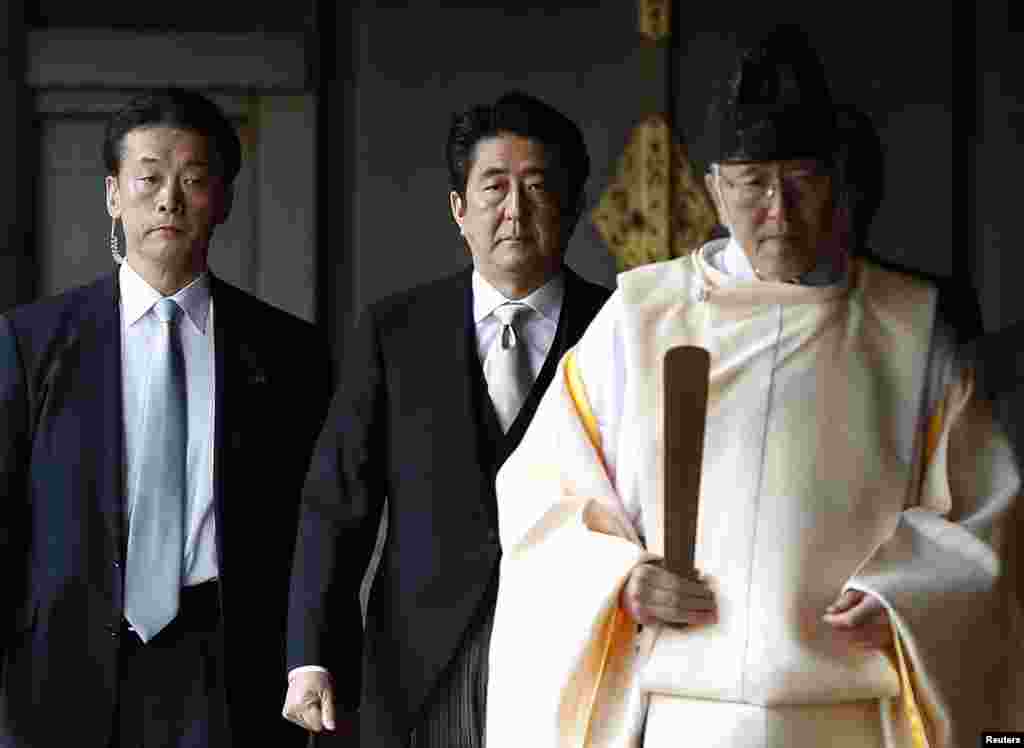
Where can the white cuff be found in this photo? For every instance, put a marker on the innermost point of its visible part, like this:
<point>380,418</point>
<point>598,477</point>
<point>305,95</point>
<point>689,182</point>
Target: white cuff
<point>306,669</point>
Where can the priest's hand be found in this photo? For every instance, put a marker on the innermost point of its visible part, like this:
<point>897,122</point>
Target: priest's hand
<point>652,594</point>
<point>860,619</point>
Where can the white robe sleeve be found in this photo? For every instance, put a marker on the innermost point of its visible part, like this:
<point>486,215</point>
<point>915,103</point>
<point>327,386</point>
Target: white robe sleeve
<point>562,650</point>
<point>943,576</point>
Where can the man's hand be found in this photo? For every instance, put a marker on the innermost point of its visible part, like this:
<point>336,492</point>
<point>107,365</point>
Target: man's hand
<point>861,620</point>
<point>309,702</point>
<point>653,594</point>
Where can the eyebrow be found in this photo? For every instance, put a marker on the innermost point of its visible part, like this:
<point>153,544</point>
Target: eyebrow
<point>500,171</point>
<point>157,160</point>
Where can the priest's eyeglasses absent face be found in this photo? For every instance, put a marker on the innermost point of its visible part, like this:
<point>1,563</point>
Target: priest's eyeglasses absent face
<point>755,184</point>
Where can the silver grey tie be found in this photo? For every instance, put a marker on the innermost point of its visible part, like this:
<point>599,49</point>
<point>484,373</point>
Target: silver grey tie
<point>156,527</point>
<point>507,366</point>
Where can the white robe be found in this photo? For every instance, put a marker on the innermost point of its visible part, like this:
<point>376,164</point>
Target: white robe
<point>844,448</point>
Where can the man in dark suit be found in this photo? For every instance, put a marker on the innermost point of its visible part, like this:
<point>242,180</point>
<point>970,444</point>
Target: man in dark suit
<point>441,382</point>
<point>155,429</point>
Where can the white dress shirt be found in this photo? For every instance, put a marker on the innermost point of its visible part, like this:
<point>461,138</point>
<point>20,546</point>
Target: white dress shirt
<point>537,327</point>
<point>139,326</point>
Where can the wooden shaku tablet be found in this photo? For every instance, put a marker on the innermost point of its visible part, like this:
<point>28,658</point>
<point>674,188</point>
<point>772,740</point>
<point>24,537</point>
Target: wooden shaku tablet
<point>686,404</point>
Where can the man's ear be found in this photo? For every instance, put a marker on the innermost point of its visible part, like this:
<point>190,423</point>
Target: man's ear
<point>113,197</point>
<point>458,206</point>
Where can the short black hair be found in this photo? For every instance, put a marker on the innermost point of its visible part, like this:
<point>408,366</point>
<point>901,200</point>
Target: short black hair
<point>520,114</point>
<point>178,108</point>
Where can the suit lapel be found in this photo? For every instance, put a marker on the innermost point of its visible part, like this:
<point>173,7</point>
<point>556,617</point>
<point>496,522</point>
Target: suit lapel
<point>474,429</point>
<point>99,353</point>
<point>238,370</point>
<point>223,362</point>
<point>578,308</point>
<point>480,420</point>
<point>485,417</point>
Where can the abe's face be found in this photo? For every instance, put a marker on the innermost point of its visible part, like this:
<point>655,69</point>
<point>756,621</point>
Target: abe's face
<point>168,194</point>
<point>513,216</point>
<point>780,213</point>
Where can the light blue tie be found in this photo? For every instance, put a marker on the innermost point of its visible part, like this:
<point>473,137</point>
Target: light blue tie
<point>156,532</point>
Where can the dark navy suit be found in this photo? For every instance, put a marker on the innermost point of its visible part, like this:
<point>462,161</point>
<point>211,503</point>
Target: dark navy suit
<point>62,497</point>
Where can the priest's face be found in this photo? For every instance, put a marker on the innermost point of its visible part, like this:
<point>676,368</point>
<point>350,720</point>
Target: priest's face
<point>512,215</point>
<point>780,213</point>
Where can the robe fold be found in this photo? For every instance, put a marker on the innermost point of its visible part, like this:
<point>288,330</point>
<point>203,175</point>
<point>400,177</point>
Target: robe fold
<point>844,448</point>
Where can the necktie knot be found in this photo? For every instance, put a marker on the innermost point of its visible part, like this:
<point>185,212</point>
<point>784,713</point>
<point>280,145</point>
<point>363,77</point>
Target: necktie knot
<point>509,315</point>
<point>507,366</point>
<point>167,310</point>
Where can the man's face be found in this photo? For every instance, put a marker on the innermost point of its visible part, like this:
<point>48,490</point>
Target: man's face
<point>514,215</point>
<point>169,196</point>
<point>780,212</point>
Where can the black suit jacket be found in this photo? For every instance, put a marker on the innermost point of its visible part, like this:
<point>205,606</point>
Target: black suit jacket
<point>412,424</point>
<point>62,525</point>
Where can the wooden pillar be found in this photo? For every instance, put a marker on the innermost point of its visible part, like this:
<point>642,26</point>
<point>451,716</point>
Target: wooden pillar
<point>17,193</point>
<point>339,298</point>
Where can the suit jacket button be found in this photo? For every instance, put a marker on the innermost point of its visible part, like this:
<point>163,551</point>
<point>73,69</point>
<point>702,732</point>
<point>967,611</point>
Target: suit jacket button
<point>114,629</point>
<point>117,564</point>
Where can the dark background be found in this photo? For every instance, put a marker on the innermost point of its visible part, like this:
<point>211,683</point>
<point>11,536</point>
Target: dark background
<point>387,77</point>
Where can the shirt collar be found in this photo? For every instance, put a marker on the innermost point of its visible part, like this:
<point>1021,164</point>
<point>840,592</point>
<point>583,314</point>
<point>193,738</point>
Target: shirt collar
<point>546,300</point>
<point>735,262</point>
<point>138,297</point>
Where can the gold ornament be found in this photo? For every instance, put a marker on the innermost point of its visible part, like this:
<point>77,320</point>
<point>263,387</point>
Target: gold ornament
<point>655,19</point>
<point>655,208</point>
